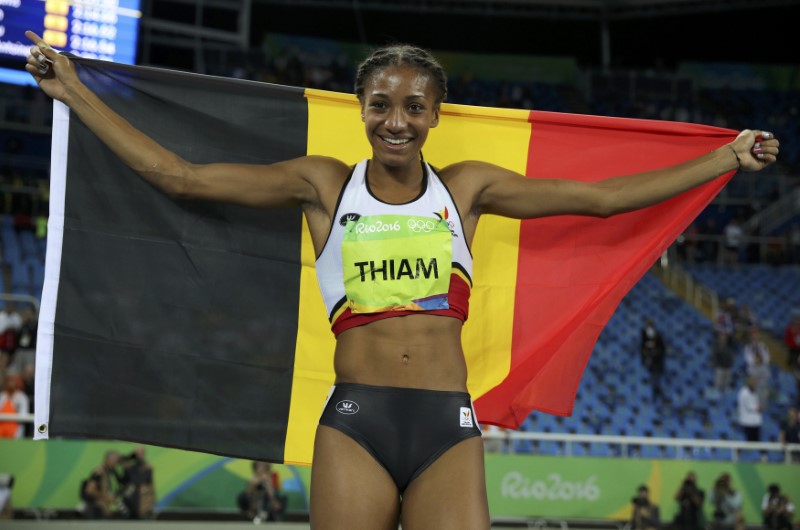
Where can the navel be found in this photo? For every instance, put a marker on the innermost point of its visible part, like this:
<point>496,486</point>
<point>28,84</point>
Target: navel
<point>404,359</point>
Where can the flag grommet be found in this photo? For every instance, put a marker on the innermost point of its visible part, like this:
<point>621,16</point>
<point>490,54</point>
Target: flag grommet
<point>42,428</point>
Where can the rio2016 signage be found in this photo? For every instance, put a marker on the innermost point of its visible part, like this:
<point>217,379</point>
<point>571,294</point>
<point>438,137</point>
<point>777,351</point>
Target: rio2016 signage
<point>602,488</point>
<point>553,487</point>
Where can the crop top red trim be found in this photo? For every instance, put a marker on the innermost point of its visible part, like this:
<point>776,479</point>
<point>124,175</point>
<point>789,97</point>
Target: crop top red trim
<point>457,298</point>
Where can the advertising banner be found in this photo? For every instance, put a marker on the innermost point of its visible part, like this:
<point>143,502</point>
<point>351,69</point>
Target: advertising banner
<point>48,475</point>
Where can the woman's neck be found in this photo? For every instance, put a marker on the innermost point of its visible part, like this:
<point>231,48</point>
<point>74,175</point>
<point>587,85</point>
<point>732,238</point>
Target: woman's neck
<point>395,184</point>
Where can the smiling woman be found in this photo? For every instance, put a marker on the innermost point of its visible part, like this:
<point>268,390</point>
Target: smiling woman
<point>392,237</point>
<point>400,89</point>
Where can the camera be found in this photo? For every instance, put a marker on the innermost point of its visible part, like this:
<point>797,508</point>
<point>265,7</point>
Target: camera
<point>131,457</point>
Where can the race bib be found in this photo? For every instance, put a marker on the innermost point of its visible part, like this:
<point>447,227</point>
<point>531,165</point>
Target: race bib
<point>396,263</point>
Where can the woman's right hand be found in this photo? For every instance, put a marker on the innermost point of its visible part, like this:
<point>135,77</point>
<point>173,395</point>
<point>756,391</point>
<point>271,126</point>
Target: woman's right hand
<point>53,72</point>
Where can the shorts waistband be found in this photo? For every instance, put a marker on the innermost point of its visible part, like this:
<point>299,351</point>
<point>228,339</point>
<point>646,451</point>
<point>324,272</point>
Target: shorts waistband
<point>400,390</point>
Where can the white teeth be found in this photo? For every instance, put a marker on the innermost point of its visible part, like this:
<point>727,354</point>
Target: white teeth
<point>397,141</point>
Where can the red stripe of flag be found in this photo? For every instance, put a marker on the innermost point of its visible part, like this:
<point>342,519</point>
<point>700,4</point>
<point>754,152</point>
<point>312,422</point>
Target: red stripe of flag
<point>573,271</point>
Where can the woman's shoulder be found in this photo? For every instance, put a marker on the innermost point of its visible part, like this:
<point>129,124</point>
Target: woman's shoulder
<point>325,173</point>
<point>325,166</point>
<point>463,168</point>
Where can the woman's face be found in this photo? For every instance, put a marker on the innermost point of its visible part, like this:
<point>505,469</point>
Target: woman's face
<point>398,109</point>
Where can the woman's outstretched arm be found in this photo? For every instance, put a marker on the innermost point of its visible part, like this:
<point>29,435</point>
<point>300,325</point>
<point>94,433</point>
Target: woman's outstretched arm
<point>502,192</point>
<point>293,182</point>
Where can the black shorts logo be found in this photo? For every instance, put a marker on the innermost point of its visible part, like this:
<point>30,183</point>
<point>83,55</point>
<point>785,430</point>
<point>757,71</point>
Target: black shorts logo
<point>349,217</point>
<point>347,407</point>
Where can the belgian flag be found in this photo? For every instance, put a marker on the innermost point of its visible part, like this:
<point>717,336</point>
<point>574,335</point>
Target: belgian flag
<point>200,325</point>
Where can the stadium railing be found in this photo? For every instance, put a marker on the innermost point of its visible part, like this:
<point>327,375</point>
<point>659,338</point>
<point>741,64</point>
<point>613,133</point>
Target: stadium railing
<point>686,445</point>
<point>682,444</point>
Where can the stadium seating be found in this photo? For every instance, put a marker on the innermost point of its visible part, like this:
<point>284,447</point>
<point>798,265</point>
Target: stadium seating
<point>615,396</point>
<point>766,289</point>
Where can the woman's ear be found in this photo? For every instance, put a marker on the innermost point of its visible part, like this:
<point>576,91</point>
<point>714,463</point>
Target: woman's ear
<point>435,120</point>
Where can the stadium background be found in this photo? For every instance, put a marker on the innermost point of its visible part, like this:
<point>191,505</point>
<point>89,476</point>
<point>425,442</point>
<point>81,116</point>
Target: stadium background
<point>722,63</point>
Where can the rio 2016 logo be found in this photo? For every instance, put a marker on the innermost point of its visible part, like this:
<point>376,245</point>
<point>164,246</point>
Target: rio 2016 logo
<point>377,226</point>
<point>517,486</point>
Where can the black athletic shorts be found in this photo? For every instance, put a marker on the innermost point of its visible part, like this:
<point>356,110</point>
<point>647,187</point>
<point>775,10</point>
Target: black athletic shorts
<point>404,429</point>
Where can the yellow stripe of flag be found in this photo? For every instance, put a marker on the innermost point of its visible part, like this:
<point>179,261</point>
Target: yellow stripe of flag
<point>499,136</point>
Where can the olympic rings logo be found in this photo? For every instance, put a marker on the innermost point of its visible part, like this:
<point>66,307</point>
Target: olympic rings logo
<point>420,225</point>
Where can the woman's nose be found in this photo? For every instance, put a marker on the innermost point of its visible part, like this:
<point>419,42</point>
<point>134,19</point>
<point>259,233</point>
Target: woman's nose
<point>396,120</point>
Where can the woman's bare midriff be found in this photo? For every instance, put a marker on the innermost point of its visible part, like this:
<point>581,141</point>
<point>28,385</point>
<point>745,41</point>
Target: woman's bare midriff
<point>414,351</point>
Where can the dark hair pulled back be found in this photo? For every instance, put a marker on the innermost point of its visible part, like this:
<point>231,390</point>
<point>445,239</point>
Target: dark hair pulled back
<point>402,55</point>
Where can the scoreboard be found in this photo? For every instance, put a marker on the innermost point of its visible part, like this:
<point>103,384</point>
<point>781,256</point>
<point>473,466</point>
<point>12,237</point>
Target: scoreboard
<point>95,29</point>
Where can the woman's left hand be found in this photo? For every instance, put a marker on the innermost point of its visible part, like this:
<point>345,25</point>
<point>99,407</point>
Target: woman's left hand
<point>755,150</point>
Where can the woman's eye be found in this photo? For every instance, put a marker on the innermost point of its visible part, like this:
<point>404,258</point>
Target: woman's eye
<point>415,108</point>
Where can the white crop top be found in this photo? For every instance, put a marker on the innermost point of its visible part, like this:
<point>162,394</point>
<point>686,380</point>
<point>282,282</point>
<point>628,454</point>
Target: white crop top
<point>434,207</point>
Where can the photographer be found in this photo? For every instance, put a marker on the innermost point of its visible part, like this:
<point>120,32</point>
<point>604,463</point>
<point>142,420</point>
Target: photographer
<point>6,485</point>
<point>727,504</point>
<point>99,492</point>
<point>136,484</point>
<point>644,514</point>
<point>690,504</point>
<point>262,501</point>
<point>777,509</point>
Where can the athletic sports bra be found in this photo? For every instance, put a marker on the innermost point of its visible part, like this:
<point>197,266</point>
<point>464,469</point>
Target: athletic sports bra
<point>385,260</point>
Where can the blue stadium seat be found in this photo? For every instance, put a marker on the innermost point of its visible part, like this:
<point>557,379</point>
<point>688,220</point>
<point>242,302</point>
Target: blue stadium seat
<point>523,446</point>
<point>548,447</point>
<point>650,451</point>
<point>600,449</point>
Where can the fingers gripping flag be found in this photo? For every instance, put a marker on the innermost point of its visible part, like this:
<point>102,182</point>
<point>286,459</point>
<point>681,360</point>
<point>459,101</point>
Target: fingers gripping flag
<point>200,325</point>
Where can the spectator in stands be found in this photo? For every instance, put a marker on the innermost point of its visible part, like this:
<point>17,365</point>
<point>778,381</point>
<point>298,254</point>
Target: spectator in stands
<point>26,338</point>
<point>790,431</point>
<point>136,484</point>
<point>492,444</point>
<point>13,401</point>
<point>10,323</point>
<point>262,499</point>
<point>757,358</point>
<point>722,359</point>
<point>750,417</point>
<point>653,352</point>
<point>100,492</point>
<point>777,509</point>
<point>745,320</point>
<point>28,382</point>
<point>792,337</point>
<point>690,500</point>
<point>644,514</point>
<point>727,505</point>
<point>733,241</point>
<point>725,321</point>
